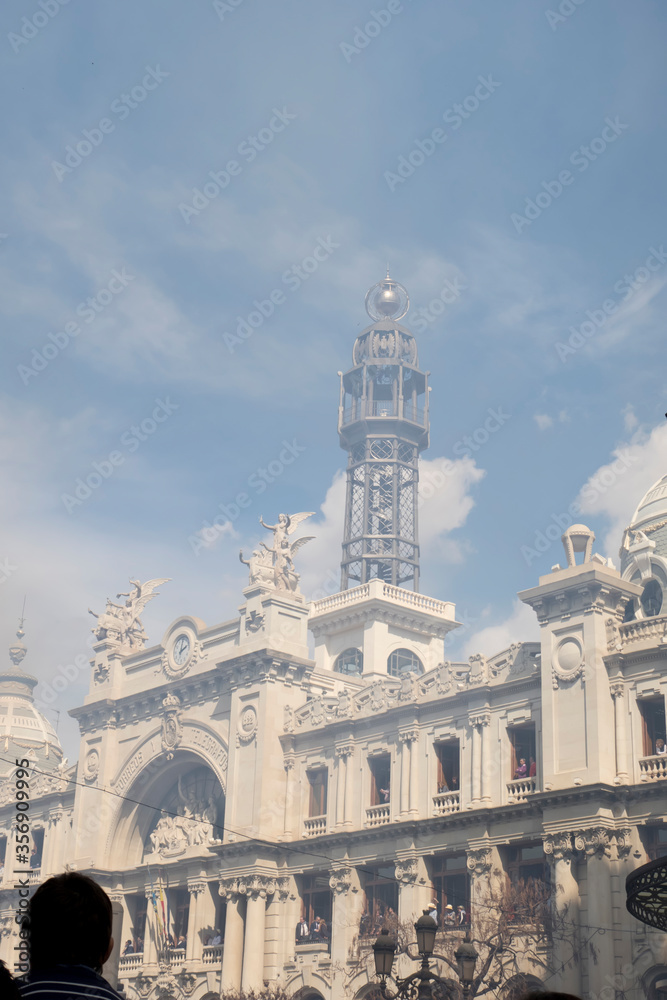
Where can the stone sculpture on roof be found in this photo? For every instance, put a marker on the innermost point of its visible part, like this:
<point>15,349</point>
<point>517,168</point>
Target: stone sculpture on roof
<point>121,623</point>
<point>279,564</point>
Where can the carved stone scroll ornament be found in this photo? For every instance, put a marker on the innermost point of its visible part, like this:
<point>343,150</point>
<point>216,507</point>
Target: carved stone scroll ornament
<point>171,727</point>
<point>595,842</point>
<point>558,847</point>
<point>479,861</point>
<point>406,870</point>
<point>341,880</point>
<point>256,886</point>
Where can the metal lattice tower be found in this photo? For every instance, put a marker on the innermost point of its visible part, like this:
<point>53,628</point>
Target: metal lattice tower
<point>383,425</point>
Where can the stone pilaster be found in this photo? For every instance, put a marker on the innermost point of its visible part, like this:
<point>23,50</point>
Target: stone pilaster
<point>232,951</point>
<point>560,853</point>
<point>595,844</point>
<point>480,785</point>
<point>256,889</point>
<point>343,785</point>
<point>347,909</point>
<point>151,939</point>
<point>617,689</point>
<point>409,772</point>
<point>194,946</point>
<point>414,889</point>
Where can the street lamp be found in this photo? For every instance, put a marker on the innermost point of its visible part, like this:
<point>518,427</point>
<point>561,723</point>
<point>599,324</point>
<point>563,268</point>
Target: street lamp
<point>466,956</point>
<point>415,986</point>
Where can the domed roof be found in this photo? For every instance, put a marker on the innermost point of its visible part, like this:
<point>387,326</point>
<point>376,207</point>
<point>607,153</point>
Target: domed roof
<point>651,518</point>
<point>24,731</point>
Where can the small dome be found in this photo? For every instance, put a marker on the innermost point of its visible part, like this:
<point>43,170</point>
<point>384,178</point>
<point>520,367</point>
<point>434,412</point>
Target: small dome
<point>24,731</point>
<point>650,517</point>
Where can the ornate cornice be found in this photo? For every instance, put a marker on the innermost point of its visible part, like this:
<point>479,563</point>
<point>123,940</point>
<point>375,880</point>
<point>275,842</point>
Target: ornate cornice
<point>480,719</point>
<point>594,842</point>
<point>341,880</point>
<point>558,846</point>
<point>478,861</point>
<point>196,887</point>
<point>406,870</point>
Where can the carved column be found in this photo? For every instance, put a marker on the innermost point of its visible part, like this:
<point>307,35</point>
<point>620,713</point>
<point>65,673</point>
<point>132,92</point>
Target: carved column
<point>618,694</point>
<point>110,969</point>
<point>565,934</point>
<point>409,775</point>
<point>343,753</point>
<point>476,760</point>
<point>232,951</point>
<point>255,889</point>
<point>484,724</point>
<point>348,904</point>
<point>289,797</point>
<point>194,945</point>
<point>596,845</point>
<point>414,889</point>
<point>478,862</point>
<point>414,773</point>
<point>150,932</point>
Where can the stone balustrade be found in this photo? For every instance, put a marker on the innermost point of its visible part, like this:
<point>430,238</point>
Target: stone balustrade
<point>653,768</point>
<point>520,789</point>
<point>446,802</point>
<point>378,815</point>
<point>212,954</point>
<point>314,826</point>
<point>643,628</point>
<point>132,961</point>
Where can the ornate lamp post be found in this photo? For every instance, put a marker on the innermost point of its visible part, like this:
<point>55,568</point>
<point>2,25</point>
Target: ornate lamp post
<point>466,957</point>
<point>416,986</point>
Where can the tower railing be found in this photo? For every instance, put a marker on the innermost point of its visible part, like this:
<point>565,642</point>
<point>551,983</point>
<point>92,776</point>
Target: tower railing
<point>360,409</point>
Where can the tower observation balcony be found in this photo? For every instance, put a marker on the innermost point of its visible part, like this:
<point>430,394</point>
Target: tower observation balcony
<point>383,425</point>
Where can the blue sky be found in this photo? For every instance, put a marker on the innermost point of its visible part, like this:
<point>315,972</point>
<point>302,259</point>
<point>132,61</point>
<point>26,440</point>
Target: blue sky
<point>332,124</point>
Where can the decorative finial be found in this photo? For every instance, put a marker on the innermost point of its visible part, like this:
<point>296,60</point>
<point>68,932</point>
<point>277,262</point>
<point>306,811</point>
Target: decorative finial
<point>387,300</point>
<point>17,651</point>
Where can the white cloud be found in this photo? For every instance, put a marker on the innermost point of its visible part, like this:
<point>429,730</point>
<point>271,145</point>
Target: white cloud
<point>615,489</point>
<point>543,421</point>
<point>520,626</point>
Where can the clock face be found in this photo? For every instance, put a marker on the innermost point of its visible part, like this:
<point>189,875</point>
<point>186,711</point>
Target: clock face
<point>181,650</point>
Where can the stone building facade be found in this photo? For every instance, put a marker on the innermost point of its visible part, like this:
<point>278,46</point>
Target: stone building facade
<point>231,784</point>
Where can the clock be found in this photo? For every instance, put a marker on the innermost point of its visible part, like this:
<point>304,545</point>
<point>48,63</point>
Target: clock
<point>181,650</point>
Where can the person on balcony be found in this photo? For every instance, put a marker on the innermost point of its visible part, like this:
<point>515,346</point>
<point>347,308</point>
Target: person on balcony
<point>301,935</point>
<point>461,916</point>
<point>129,948</point>
<point>660,747</point>
<point>449,918</point>
<point>315,929</point>
<point>384,794</point>
<point>522,769</point>
<point>216,940</point>
<point>443,787</point>
<point>532,770</point>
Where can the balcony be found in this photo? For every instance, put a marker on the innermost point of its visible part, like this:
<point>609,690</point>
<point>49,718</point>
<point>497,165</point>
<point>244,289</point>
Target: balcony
<point>315,826</point>
<point>378,815</point>
<point>177,956</point>
<point>360,408</point>
<point>212,954</point>
<point>653,768</point>
<point>129,963</point>
<point>519,790</point>
<point>446,803</point>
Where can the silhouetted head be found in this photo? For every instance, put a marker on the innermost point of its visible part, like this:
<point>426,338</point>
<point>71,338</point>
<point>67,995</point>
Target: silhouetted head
<point>69,923</point>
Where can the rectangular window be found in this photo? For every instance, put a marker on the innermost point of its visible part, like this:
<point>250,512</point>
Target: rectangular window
<point>529,884</point>
<point>448,757</point>
<point>652,711</point>
<point>381,902</point>
<point>316,908</point>
<point>451,891</point>
<point>655,840</point>
<point>138,908</point>
<point>317,805</point>
<point>178,901</point>
<point>37,848</point>
<point>524,754</point>
<point>380,767</point>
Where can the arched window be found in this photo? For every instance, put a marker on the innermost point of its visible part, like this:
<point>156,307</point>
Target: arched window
<point>404,661</point>
<point>350,661</point>
<point>651,599</point>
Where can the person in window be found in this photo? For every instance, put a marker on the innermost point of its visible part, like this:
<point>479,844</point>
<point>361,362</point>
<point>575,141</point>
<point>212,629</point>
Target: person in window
<point>433,910</point>
<point>129,948</point>
<point>660,747</point>
<point>449,917</point>
<point>324,930</point>
<point>301,931</point>
<point>182,942</point>
<point>384,795</point>
<point>140,945</point>
<point>35,859</point>
<point>443,786</point>
<point>315,929</point>
<point>216,939</point>
<point>461,918</point>
<point>532,770</point>
<point>522,769</point>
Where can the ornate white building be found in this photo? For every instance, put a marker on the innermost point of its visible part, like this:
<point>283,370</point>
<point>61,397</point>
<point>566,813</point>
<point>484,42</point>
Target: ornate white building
<point>247,785</point>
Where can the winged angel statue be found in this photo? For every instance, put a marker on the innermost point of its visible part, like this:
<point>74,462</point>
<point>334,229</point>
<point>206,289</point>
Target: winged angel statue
<point>121,623</point>
<point>275,565</point>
